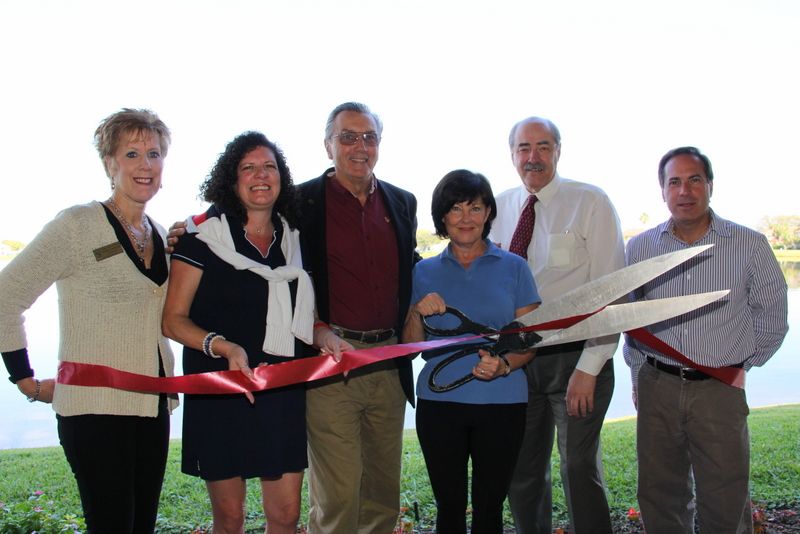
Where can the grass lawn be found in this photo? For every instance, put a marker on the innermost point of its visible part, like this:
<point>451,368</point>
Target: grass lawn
<point>40,478</point>
<point>787,255</point>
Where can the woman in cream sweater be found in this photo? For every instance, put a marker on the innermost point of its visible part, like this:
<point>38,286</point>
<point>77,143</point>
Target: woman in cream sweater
<point>108,263</point>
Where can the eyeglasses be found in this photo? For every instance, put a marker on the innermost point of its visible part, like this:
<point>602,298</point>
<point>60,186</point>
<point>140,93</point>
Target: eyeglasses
<point>351,138</point>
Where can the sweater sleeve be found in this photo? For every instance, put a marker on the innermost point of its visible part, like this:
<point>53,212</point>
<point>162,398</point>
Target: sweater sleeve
<point>18,365</point>
<point>45,260</point>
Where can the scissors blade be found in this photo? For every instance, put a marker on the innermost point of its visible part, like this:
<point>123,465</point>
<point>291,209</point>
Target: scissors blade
<point>623,317</point>
<point>593,295</point>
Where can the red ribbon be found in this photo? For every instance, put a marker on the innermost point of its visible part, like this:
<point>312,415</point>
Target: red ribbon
<point>266,377</point>
<point>323,366</point>
<point>733,376</point>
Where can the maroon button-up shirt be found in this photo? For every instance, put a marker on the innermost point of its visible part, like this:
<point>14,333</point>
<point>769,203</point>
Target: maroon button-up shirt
<point>363,268</point>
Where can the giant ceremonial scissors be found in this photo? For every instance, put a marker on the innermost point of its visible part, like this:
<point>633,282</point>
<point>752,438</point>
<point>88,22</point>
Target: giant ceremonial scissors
<point>585,312</point>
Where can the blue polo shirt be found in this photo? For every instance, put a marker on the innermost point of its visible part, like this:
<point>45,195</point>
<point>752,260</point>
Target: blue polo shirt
<point>489,292</point>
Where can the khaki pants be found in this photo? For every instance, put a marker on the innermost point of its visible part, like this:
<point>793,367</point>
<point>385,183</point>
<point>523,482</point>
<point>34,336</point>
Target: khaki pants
<point>692,432</point>
<point>355,442</point>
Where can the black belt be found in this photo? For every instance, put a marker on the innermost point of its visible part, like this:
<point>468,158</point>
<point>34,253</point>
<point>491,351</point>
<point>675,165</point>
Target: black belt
<point>368,336</point>
<point>685,373</point>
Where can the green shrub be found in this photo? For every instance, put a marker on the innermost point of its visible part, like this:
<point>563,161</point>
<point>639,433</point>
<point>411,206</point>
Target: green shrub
<point>38,514</point>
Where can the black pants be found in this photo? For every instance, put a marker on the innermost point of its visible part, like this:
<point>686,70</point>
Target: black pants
<point>118,462</point>
<point>451,433</point>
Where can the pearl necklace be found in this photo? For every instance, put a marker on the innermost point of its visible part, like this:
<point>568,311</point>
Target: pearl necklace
<point>140,245</point>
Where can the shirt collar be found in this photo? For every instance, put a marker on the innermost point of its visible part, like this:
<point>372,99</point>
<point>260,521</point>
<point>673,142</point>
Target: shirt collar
<point>546,194</point>
<point>373,184</point>
<point>717,225</point>
<point>491,250</point>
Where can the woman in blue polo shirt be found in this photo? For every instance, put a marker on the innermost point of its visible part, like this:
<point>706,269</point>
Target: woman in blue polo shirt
<point>483,419</point>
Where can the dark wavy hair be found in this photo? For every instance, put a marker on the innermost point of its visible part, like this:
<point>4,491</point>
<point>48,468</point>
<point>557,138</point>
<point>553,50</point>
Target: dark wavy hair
<point>460,186</point>
<point>220,186</point>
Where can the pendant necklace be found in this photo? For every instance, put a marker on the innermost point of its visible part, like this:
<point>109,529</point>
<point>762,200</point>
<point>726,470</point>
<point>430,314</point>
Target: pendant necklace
<point>140,246</point>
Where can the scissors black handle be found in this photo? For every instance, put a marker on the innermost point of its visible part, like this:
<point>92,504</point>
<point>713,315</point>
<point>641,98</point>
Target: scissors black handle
<point>515,341</point>
<point>436,388</point>
<point>467,325</point>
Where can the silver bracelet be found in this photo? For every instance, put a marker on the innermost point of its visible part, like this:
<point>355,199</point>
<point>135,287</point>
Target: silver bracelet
<point>37,392</point>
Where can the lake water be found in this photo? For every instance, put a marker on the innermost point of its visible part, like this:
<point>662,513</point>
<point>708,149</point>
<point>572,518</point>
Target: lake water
<point>23,424</point>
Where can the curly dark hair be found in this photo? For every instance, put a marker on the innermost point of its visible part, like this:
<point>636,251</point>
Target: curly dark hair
<point>220,186</point>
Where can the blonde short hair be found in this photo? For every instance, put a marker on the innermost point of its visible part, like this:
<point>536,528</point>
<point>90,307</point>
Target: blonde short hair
<point>137,121</point>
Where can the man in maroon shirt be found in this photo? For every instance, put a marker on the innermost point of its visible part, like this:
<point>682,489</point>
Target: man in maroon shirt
<point>359,253</point>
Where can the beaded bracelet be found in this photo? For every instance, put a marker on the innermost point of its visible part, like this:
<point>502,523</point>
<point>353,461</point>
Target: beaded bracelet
<point>320,323</point>
<point>207,341</point>
<point>211,346</point>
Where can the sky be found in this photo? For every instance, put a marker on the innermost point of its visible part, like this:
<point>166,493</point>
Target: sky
<point>625,81</point>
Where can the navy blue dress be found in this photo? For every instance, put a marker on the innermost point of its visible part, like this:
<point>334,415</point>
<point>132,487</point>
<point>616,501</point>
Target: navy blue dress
<point>224,436</point>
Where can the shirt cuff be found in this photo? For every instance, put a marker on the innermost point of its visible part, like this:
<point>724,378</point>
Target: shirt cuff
<point>596,352</point>
<point>17,365</point>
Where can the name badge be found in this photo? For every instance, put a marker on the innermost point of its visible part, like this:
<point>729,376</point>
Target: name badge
<point>108,251</point>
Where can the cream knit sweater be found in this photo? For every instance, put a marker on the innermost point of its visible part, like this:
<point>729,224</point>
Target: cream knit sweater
<point>109,312</point>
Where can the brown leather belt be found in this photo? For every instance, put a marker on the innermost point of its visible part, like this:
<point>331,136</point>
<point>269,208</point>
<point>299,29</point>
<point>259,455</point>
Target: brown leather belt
<point>368,336</point>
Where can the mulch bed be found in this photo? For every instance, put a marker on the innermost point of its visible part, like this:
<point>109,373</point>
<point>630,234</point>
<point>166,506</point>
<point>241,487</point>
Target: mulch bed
<point>779,520</point>
<point>765,521</point>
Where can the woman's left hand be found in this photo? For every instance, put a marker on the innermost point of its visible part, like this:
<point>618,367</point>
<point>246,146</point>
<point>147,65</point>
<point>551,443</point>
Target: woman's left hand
<point>489,368</point>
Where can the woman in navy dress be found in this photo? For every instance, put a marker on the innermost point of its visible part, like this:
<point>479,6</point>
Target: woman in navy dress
<point>239,299</point>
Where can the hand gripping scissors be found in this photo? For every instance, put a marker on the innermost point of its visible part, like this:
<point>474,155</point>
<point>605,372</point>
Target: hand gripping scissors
<point>585,312</point>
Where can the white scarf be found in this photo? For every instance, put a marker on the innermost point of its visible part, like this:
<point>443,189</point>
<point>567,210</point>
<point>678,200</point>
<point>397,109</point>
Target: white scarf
<point>281,327</point>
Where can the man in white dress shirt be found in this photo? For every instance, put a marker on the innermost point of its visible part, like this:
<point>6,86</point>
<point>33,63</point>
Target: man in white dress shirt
<point>576,238</point>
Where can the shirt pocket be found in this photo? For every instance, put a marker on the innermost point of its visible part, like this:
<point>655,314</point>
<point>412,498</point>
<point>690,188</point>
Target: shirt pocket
<point>567,249</point>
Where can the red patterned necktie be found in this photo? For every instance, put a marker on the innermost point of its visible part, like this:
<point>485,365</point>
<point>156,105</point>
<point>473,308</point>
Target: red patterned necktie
<point>524,231</point>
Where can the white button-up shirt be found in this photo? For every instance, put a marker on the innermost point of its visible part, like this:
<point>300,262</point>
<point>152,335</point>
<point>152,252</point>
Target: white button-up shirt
<point>576,238</point>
